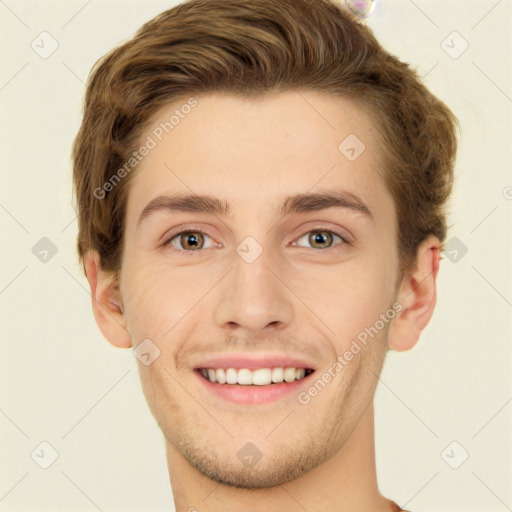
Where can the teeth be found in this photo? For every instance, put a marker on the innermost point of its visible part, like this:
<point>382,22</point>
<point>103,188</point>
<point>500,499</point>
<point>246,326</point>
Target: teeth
<point>220,376</point>
<point>231,376</point>
<point>289,374</point>
<point>258,377</point>
<point>244,377</point>
<point>277,375</point>
<point>261,377</point>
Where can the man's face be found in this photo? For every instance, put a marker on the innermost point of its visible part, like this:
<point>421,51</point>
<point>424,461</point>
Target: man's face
<point>259,282</point>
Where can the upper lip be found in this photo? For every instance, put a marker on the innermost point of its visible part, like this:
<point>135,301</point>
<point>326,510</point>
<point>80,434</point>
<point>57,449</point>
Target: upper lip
<point>254,361</point>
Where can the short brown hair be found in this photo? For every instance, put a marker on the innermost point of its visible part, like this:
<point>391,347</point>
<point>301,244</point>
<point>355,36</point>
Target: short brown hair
<point>252,48</point>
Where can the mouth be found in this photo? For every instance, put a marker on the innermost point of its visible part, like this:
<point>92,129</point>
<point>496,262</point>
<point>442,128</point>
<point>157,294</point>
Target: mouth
<point>254,377</point>
<point>255,385</point>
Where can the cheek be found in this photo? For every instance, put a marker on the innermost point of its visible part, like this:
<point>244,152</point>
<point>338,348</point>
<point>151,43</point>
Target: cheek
<point>350,297</point>
<point>156,297</point>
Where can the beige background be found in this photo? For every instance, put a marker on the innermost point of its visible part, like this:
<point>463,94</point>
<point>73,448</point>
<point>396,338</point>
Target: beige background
<point>62,383</point>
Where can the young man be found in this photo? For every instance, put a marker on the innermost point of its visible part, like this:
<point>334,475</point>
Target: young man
<point>260,190</point>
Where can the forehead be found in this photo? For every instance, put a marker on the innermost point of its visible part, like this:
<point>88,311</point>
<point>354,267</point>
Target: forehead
<point>252,152</point>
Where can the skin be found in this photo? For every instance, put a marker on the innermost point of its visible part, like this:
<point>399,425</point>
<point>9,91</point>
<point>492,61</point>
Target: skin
<point>295,298</point>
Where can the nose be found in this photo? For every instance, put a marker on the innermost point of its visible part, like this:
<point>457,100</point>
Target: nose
<point>253,297</point>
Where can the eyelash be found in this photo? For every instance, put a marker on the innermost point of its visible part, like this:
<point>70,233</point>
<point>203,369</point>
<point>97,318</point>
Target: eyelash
<point>168,243</point>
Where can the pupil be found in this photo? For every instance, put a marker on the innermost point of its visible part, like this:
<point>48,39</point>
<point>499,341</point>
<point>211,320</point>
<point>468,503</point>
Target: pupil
<point>320,237</point>
<point>194,238</point>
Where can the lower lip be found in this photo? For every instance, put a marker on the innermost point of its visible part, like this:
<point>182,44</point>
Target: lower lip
<point>241,394</point>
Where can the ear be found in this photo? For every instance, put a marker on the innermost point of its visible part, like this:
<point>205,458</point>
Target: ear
<point>106,302</point>
<point>417,295</point>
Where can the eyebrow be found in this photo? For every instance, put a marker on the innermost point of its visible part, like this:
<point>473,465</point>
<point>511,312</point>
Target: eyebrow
<point>297,203</point>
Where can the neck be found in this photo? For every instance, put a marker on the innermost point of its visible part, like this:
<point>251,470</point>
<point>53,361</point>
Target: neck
<point>345,482</point>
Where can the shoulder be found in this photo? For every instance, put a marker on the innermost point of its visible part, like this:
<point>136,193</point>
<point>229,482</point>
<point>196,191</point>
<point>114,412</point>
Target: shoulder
<point>396,508</point>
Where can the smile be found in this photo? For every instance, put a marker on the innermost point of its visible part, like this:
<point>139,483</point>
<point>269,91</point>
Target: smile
<point>254,386</point>
<point>254,377</point>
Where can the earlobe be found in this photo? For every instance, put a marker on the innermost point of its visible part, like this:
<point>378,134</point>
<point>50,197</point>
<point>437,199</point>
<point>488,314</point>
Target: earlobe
<point>417,295</point>
<point>107,306</point>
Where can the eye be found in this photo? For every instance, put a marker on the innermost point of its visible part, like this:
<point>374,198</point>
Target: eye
<point>191,241</point>
<point>188,241</point>
<point>322,237</point>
